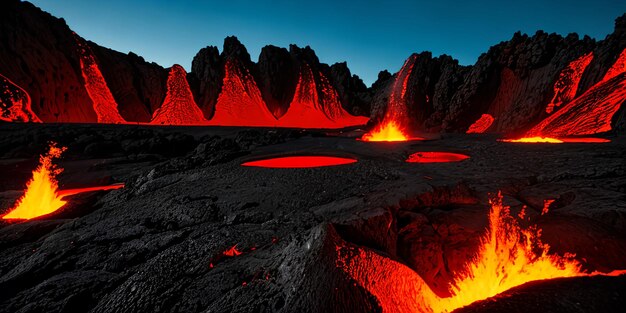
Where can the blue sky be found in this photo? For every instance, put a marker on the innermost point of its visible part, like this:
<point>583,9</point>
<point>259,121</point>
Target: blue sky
<point>369,35</point>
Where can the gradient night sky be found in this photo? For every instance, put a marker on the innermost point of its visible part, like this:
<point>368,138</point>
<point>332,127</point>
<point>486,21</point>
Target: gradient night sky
<point>369,35</point>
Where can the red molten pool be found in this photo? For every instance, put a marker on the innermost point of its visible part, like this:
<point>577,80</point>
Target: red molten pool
<point>300,162</point>
<point>436,157</point>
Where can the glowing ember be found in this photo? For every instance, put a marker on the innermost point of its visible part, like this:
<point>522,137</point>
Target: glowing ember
<point>537,139</point>
<point>394,124</point>
<point>436,157</point>
<point>240,102</point>
<point>481,125</point>
<point>232,251</point>
<point>508,256</point>
<point>300,162</point>
<point>15,103</point>
<point>179,107</point>
<point>386,132</point>
<point>42,195</point>
<point>103,102</point>
<point>567,84</point>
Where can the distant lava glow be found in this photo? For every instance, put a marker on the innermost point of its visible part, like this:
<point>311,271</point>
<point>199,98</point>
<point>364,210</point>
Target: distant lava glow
<point>42,195</point>
<point>436,157</point>
<point>481,125</point>
<point>300,162</point>
<point>508,256</point>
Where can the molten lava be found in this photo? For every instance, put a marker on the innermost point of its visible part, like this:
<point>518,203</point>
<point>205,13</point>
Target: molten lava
<point>232,252</point>
<point>42,195</point>
<point>481,125</point>
<point>300,162</point>
<point>389,131</point>
<point>567,84</point>
<point>508,256</point>
<point>179,107</point>
<point>592,111</point>
<point>15,103</point>
<point>436,157</point>
<point>103,102</point>
<point>312,109</point>
<point>240,102</point>
<point>537,139</point>
<point>396,120</point>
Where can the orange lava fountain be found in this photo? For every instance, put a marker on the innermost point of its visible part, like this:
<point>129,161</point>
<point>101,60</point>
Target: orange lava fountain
<point>42,194</point>
<point>389,131</point>
<point>508,256</point>
<point>393,126</point>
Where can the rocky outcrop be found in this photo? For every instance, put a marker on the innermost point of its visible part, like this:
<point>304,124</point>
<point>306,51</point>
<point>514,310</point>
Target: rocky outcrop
<point>277,78</point>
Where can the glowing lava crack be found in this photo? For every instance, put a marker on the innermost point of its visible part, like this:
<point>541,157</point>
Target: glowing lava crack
<point>300,162</point>
<point>508,256</point>
<point>42,195</point>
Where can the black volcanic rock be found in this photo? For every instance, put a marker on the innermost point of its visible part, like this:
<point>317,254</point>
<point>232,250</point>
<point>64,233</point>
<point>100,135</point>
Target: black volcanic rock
<point>277,78</point>
<point>353,94</point>
<point>38,52</point>
<point>138,87</point>
<point>206,78</point>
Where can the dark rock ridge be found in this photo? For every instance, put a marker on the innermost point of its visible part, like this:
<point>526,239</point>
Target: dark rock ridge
<point>513,81</point>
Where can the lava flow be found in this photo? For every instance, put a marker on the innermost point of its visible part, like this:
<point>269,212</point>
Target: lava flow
<point>179,107</point>
<point>300,162</point>
<point>15,103</point>
<point>42,195</point>
<point>536,139</point>
<point>103,102</point>
<point>394,125</point>
<point>567,84</point>
<point>508,256</point>
<point>481,125</point>
<point>436,157</point>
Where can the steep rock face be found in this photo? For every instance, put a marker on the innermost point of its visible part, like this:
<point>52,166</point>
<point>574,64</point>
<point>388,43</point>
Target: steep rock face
<point>207,73</point>
<point>137,86</point>
<point>353,94</point>
<point>277,77</point>
<point>38,52</point>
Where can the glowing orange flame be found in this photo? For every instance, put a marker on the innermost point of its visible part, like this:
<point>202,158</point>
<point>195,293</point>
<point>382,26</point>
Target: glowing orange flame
<point>508,256</point>
<point>537,139</point>
<point>389,131</point>
<point>42,195</point>
<point>481,125</point>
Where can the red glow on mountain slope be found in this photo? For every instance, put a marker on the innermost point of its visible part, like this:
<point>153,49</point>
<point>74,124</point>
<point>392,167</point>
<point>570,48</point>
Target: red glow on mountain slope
<point>42,195</point>
<point>309,109</point>
<point>618,67</point>
<point>396,119</point>
<point>103,102</point>
<point>240,102</point>
<point>15,103</point>
<point>436,157</point>
<point>179,107</point>
<point>508,256</point>
<point>567,84</point>
<point>481,125</point>
<point>300,162</point>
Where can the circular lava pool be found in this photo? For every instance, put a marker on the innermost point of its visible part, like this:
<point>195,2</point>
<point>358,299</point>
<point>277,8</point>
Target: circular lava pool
<point>302,161</point>
<point>436,157</point>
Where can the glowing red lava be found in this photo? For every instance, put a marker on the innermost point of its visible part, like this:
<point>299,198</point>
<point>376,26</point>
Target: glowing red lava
<point>103,102</point>
<point>300,162</point>
<point>436,157</point>
<point>310,109</point>
<point>240,102</point>
<point>481,125</point>
<point>42,196</point>
<point>396,120</point>
<point>15,103</point>
<point>179,107</point>
<point>508,256</point>
<point>567,84</point>
<point>232,252</point>
<point>537,139</point>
